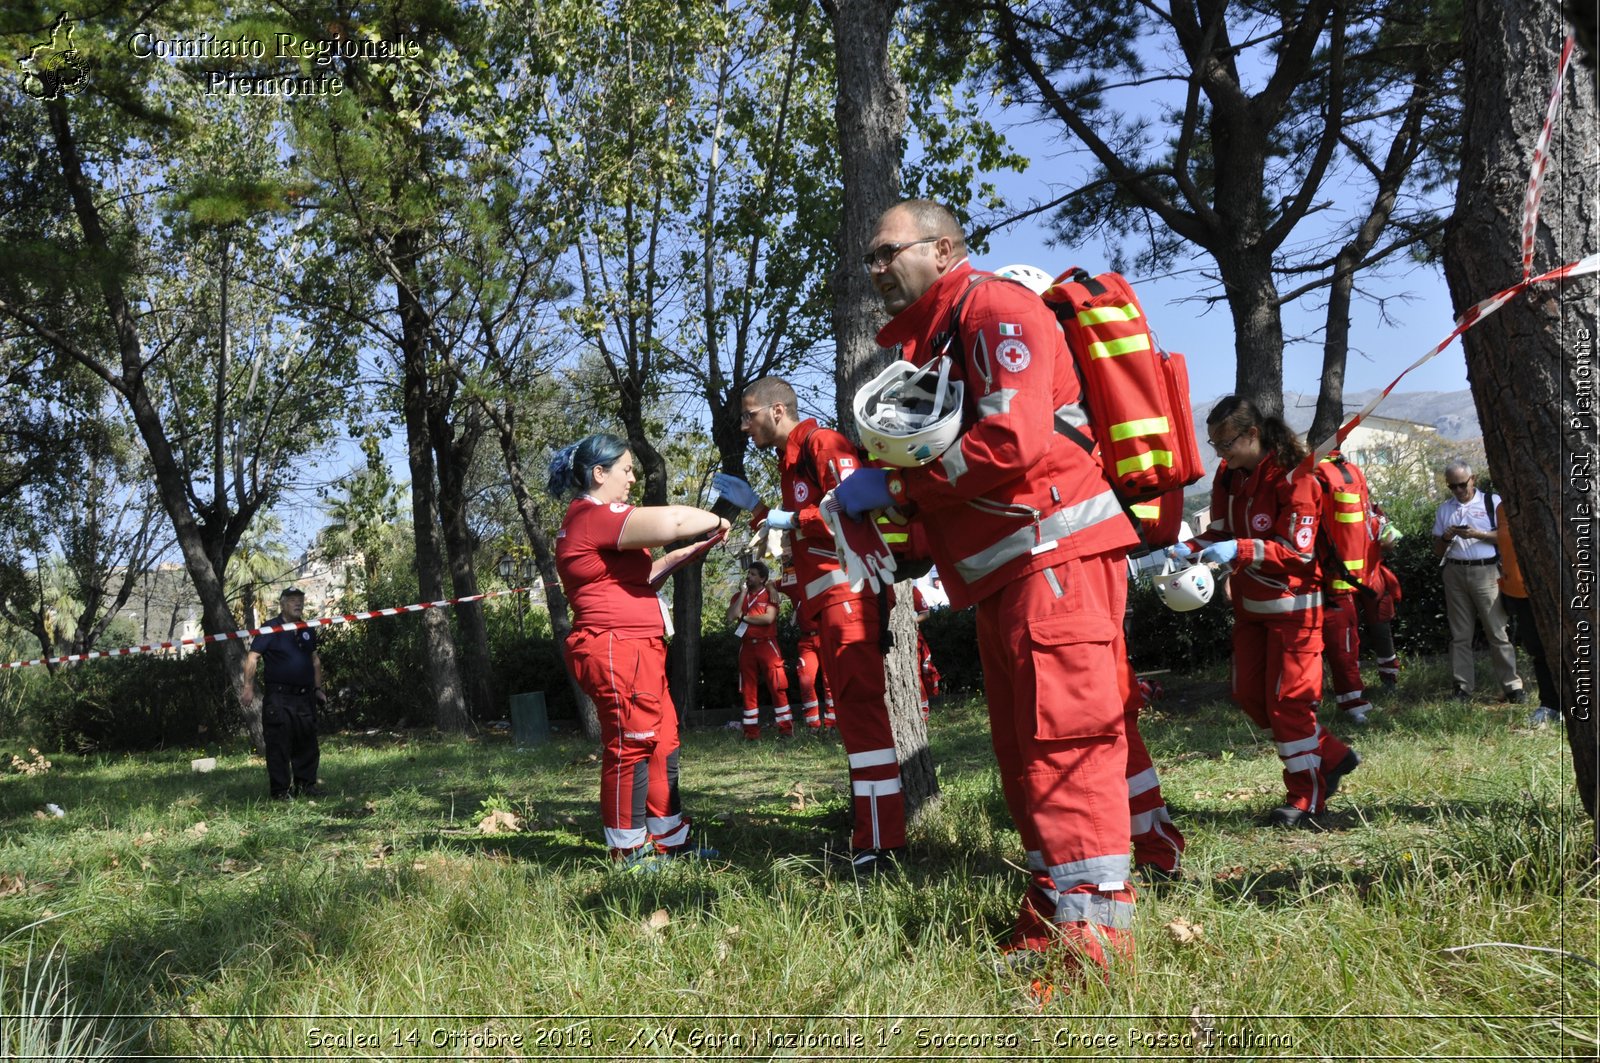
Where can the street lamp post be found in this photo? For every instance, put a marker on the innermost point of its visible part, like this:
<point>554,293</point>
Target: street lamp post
<point>507,567</point>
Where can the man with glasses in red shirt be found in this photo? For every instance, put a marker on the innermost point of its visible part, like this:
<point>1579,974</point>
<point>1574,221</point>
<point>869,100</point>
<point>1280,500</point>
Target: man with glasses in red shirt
<point>1465,539</point>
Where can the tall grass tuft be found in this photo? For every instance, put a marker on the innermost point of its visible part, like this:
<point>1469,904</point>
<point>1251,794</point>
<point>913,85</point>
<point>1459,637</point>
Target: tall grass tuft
<point>40,1020</point>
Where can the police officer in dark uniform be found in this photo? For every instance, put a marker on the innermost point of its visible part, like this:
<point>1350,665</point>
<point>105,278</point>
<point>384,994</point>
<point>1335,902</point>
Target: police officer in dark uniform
<point>289,710</point>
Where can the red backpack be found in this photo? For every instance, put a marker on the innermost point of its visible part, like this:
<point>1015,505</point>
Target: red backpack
<point>1135,395</point>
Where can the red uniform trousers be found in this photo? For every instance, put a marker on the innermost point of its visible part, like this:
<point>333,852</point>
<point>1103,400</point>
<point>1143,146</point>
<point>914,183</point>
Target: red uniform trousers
<point>627,680</point>
<point>1157,842</point>
<point>760,661</point>
<point>1341,642</point>
<point>850,635</point>
<point>1277,681</point>
<point>927,674</point>
<point>808,670</point>
<point>1052,650</point>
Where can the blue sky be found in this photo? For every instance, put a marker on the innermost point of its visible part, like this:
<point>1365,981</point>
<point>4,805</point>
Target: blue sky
<point>1415,317</point>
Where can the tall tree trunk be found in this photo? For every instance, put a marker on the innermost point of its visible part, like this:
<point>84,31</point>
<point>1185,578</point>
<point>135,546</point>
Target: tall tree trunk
<point>438,643</point>
<point>172,485</point>
<point>1257,326</point>
<point>453,449</point>
<point>555,598</point>
<point>1335,352</point>
<point>1533,365</point>
<point>871,116</point>
<point>683,657</point>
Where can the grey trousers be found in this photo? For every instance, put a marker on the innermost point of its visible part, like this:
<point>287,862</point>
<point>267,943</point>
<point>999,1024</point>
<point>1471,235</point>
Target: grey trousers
<point>1472,595</point>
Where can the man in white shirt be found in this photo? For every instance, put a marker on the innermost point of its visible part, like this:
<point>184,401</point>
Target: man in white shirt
<point>1467,539</point>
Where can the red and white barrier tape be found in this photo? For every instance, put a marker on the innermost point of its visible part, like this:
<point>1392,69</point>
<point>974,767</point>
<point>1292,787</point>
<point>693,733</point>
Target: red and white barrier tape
<point>1481,310</point>
<point>1530,205</point>
<point>325,621</point>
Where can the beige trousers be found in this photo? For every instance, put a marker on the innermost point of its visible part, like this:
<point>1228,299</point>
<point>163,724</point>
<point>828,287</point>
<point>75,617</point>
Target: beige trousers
<point>1472,594</point>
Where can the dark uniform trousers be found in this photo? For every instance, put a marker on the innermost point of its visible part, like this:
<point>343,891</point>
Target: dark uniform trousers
<point>289,723</point>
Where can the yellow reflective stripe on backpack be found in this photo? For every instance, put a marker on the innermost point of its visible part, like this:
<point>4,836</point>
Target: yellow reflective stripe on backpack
<point>1349,518</point>
<point>1126,345</point>
<point>1099,315</point>
<point>1146,511</point>
<point>1149,426</point>
<point>1342,496</point>
<point>1141,462</point>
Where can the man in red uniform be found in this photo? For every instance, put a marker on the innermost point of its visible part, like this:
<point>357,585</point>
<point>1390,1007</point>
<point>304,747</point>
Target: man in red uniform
<point>813,461</point>
<point>754,609</point>
<point>816,699</point>
<point>1348,565</point>
<point>1022,523</point>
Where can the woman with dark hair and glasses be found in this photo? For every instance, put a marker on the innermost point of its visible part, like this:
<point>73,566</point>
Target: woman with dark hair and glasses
<point>1264,513</point>
<point>618,647</point>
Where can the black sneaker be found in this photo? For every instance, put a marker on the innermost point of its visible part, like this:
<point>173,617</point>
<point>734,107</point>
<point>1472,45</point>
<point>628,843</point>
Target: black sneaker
<point>285,796</point>
<point>1331,779</point>
<point>1462,694</point>
<point>872,863</point>
<point>310,791</point>
<point>1517,696</point>
<point>1288,816</point>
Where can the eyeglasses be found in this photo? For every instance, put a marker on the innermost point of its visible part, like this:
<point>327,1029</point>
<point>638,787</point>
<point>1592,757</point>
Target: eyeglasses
<point>1223,448</point>
<point>1458,486</point>
<point>879,257</point>
<point>746,416</point>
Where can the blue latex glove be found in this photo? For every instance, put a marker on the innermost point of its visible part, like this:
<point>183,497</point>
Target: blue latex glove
<point>1179,552</point>
<point>864,491</point>
<point>781,519</point>
<point>1220,553</point>
<point>735,490</point>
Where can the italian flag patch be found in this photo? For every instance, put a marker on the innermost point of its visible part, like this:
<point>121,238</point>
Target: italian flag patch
<point>1007,329</point>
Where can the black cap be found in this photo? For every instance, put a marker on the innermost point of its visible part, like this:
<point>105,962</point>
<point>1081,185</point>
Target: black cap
<point>295,592</point>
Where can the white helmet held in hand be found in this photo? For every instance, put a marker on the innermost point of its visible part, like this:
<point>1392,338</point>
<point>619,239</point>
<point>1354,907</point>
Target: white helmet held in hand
<point>1184,588</point>
<point>906,415</point>
<point>1031,276</point>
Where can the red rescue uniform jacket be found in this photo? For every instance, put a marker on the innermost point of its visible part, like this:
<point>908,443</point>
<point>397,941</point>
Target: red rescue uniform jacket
<point>813,461</point>
<point>1012,495</point>
<point>1274,520</point>
<point>756,603</point>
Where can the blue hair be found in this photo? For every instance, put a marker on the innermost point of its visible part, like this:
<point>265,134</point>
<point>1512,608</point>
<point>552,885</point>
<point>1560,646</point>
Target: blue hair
<point>569,467</point>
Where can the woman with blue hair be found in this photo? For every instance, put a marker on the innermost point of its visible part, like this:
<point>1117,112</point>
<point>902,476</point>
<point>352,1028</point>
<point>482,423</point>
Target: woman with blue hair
<point>618,647</point>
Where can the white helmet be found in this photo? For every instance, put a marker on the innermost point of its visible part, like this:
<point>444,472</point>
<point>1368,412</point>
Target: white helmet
<point>1032,276</point>
<point>1184,587</point>
<point>907,415</point>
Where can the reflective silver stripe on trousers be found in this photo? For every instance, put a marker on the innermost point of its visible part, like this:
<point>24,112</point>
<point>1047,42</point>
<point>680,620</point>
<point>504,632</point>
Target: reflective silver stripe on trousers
<point>1144,822</point>
<point>1102,872</point>
<point>1097,908</point>
<point>1354,695</point>
<point>872,758</point>
<point>826,581</point>
<point>1058,525</point>
<point>1279,606</point>
<point>875,787</point>
<point>996,402</point>
<point>1306,762</point>
<point>1140,783</point>
<point>668,831</point>
<point>625,837</point>
<point>1301,745</point>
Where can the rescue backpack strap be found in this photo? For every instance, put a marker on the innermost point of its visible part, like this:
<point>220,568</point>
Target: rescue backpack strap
<point>943,341</point>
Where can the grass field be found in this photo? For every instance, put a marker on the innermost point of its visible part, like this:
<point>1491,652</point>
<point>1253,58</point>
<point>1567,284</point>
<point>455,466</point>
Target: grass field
<point>377,922</point>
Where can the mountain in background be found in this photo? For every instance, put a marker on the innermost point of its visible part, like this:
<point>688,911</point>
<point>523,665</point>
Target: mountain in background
<point>1451,412</point>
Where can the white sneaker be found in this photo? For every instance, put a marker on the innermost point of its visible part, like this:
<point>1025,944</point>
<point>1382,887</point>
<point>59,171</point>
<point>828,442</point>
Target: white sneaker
<point>1357,716</point>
